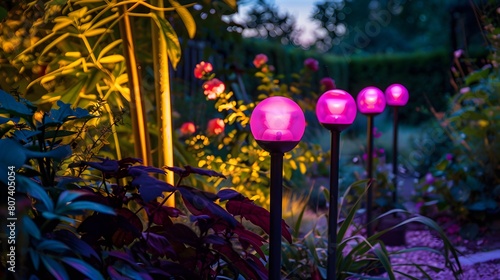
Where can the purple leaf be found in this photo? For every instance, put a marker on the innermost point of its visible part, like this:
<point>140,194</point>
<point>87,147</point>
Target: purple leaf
<point>204,172</point>
<point>140,169</point>
<point>177,170</point>
<point>105,166</point>
<point>150,188</point>
<point>229,194</point>
<point>257,215</point>
<point>83,267</point>
<point>158,245</point>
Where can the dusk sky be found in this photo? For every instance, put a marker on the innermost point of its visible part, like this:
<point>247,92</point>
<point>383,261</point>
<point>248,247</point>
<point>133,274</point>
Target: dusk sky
<point>300,9</point>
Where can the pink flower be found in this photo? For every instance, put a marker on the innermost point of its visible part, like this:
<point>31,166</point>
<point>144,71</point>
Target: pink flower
<point>215,126</point>
<point>449,157</point>
<point>327,83</point>
<point>259,60</point>
<point>429,179</point>
<point>202,69</point>
<point>311,64</point>
<point>376,133</point>
<point>458,53</point>
<point>381,151</point>
<point>187,128</point>
<point>365,155</point>
<point>213,88</point>
<point>464,90</point>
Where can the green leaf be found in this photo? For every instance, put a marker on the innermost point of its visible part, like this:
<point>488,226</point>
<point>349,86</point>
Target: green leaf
<point>75,207</point>
<point>94,32</point>
<point>35,258</point>
<point>477,206</point>
<point>460,193</point>
<point>52,246</point>
<point>78,14</point>
<point>31,228</point>
<point>58,133</point>
<point>108,48</point>
<point>186,17</point>
<point>441,166</point>
<point>30,187</point>
<point>171,39</point>
<point>115,58</point>
<point>383,257</point>
<point>476,76</point>
<point>83,267</point>
<point>104,21</point>
<point>3,13</point>
<point>55,268</point>
<point>64,114</point>
<point>54,43</point>
<point>9,105</point>
<point>61,22</point>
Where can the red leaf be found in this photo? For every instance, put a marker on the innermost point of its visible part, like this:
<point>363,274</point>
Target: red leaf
<point>129,227</point>
<point>161,215</point>
<point>247,237</point>
<point>234,258</point>
<point>257,215</point>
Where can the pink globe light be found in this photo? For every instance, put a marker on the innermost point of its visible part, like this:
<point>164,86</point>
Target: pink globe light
<point>336,109</point>
<point>278,124</point>
<point>371,101</point>
<point>396,95</point>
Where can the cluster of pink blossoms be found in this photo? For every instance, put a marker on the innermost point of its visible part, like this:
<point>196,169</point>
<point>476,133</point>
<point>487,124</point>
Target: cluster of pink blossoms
<point>213,87</point>
<point>326,83</point>
<point>214,127</point>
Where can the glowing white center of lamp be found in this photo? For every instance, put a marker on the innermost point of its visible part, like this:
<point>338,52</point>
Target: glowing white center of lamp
<point>336,106</point>
<point>371,98</point>
<point>396,92</point>
<point>277,124</point>
<point>278,120</point>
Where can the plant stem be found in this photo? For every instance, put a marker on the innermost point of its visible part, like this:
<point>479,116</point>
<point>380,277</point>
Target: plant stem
<point>163,99</point>
<point>139,121</point>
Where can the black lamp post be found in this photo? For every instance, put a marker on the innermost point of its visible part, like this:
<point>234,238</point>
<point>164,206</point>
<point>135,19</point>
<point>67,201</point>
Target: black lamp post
<point>396,96</point>
<point>277,124</point>
<point>371,102</point>
<point>336,110</point>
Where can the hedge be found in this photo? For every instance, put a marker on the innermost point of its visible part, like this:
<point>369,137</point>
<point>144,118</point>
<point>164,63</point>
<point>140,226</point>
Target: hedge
<point>425,74</point>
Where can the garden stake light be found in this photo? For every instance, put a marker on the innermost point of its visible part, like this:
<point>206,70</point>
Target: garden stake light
<point>396,95</point>
<point>336,110</point>
<point>277,124</point>
<point>371,102</point>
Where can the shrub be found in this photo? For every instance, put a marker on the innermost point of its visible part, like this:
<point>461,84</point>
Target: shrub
<point>110,220</point>
<point>467,180</point>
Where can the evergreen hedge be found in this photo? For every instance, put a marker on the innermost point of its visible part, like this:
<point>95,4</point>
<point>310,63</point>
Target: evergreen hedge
<point>425,74</point>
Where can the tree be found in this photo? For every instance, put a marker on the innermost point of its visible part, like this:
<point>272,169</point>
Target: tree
<point>374,26</point>
<point>265,21</point>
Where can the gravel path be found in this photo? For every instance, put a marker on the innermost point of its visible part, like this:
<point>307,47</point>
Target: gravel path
<point>483,270</point>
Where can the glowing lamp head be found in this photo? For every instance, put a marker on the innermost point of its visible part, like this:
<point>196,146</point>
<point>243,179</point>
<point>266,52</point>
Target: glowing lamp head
<point>277,124</point>
<point>371,101</point>
<point>396,95</point>
<point>336,109</point>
